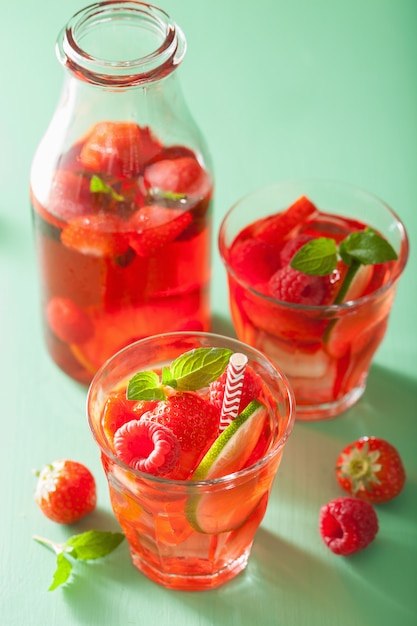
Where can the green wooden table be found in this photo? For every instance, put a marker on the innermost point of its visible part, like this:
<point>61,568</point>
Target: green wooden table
<point>320,89</point>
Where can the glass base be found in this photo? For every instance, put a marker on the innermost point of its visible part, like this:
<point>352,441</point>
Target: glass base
<point>328,410</point>
<point>190,573</point>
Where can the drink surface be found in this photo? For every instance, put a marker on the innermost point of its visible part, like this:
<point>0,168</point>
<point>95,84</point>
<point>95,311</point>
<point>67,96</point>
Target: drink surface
<point>123,242</point>
<point>286,313</point>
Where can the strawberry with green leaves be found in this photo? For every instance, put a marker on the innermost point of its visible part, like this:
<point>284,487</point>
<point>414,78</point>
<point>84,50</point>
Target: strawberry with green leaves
<point>371,469</point>
<point>65,491</point>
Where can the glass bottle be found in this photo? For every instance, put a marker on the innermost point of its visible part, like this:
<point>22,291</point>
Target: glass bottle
<point>121,190</point>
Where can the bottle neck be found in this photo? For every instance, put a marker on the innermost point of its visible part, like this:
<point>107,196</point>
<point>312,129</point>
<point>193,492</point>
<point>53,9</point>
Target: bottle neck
<point>118,44</point>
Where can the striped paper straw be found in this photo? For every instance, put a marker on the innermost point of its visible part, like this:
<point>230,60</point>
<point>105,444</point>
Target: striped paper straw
<point>233,389</point>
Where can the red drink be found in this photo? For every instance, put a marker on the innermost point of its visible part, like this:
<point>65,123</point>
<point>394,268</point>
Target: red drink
<point>123,241</point>
<point>191,517</point>
<point>322,338</point>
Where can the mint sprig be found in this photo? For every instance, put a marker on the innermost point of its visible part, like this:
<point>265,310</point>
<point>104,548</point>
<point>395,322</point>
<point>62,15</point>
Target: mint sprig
<point>97,185</point>
<point>167,195</point>
<point>319,257</point>
<point>190,371</point>
<point>87,546</point>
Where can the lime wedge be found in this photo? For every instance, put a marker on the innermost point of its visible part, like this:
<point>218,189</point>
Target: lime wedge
<point>220,510</point>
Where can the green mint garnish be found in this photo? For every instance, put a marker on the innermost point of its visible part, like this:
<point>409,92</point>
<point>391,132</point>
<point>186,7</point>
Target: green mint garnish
<point>97,185</point>
<point>319,257</point>
<point>191,371</point>
<point>88,546</point>
<point>168,195</point>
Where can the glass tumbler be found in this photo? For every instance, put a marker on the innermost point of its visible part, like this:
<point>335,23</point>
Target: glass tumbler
<point>166,542</point>
<point>324,349</point>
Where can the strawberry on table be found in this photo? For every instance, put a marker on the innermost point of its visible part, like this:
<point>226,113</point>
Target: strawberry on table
<point>100,235</point>
<point>347,525</point>
<point>371,469</point>
<point>119,148</point>
<point>65,491</point>
<point>183,175</point>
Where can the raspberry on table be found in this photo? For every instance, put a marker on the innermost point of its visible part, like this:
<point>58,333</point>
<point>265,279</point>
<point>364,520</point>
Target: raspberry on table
<point>347,525</point>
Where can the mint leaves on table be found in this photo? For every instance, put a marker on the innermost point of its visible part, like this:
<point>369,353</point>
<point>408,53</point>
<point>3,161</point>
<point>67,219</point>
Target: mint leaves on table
<point>319,257</point>
<point>190,371</point>
<point>88,546</point>
<point>97,185</point>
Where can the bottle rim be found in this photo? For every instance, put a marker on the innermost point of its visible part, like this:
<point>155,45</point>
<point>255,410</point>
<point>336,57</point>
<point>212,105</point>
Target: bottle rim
<point>155,64</point>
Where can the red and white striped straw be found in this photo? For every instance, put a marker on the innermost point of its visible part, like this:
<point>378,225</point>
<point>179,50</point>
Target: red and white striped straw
<point>233,389</point>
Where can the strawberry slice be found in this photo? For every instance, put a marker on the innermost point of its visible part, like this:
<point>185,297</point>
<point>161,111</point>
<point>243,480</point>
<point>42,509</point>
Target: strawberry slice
<point>177,176</point>
<point>118,410</point>
<point>98,235</point>
<point>119,148</point>
<point>70,195</point>
<point>276,228</point>
<point>156,226</point>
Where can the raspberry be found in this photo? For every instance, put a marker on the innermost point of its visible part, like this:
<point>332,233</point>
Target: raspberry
<point>291,285</point>
<point>251,389</point>
<point>348,525</point>
<point>147,446</point>
<point>291,247</point>
<point>254,260</point>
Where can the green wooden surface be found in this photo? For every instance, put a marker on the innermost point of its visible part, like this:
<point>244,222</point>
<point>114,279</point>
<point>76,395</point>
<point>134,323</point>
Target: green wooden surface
<point>281,89</point>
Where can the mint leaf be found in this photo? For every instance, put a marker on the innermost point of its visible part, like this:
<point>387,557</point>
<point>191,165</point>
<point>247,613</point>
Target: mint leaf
<point>62,572</point>
<point>199,367</point>
<point>317,257</point>
<point>90,545</point>
<point>145,386</point>
<point>93,544</point>
<point>367,247</point>
<point>97,185</point>
<point>168,195</point>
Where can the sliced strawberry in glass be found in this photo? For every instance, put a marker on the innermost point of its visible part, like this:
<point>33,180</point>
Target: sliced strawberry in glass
<point>155,226</point>
<point>100,235</point>
<point>276,228</point>
<point>70,195</point>
<point>177,176</point>
<point>119,148</point>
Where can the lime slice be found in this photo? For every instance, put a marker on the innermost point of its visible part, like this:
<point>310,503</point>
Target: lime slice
<point>225,509</point>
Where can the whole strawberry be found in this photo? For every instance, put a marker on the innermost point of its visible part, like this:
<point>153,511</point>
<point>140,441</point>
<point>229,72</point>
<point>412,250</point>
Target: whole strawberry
<point>371,469</point>
<point>347,525</point>
<point>193,420</point>
<point>65,491</point>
